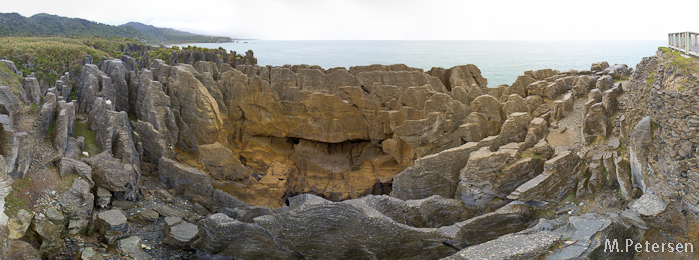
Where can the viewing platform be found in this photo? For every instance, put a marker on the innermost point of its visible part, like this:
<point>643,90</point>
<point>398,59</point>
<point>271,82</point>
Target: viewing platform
<point>687,42</point>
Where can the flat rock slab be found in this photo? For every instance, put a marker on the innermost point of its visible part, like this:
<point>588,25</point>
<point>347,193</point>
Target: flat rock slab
<point>182,234</point>
<point>510,247</point>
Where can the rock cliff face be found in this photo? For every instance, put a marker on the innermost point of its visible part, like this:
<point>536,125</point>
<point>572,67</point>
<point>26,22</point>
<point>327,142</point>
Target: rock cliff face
<point>375,162</point>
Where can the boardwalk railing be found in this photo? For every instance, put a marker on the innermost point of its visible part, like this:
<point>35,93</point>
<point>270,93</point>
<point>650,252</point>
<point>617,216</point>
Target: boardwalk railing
<point>687,42</point>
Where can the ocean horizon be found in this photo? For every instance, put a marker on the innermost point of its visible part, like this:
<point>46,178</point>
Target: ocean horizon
<point>499,61</point>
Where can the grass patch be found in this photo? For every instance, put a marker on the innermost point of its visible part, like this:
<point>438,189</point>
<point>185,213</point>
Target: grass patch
<point>13,202</point>
<point>654,127</point>
<point>81,128</point>
<point>51,127</point>
<point>356,168</point>
<point>133,118</point>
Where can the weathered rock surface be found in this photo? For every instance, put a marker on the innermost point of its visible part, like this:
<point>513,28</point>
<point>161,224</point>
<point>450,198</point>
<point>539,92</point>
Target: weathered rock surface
<point>131,247</point>
<point>18,225</point>
<point>595,124</point>
<point>649,205</point>
<point>560,172</point>
<point>436,174</point>
<point>638,152</point>
<point>112,225</point>
<point>78,201</point>
<point>181,235</point>
<point>117,177</point>
<point>48,235</point>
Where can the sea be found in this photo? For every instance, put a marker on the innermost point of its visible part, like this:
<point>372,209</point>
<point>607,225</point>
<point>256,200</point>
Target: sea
<point>499,61</point>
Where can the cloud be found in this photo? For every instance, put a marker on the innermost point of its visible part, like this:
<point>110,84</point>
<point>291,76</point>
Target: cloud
<point>384,20</point>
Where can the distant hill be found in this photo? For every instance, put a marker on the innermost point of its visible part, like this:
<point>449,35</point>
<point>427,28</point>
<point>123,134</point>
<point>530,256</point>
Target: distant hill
<point>14,24</point>
<point>171,35</point>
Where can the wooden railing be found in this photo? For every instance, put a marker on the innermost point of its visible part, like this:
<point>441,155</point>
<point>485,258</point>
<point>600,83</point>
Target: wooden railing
<point>687,42</point>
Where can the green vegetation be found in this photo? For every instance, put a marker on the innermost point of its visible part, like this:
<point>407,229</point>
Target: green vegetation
<point>43,25</point>
<point>81,128</point>
<point>356,168</point>
<point>685,65</point>
<point>7,78</point>
<point>14,24</point>
<point>654,127</point>
<point>528,154</point>
<point>13,201</point>
<point>50,57</point>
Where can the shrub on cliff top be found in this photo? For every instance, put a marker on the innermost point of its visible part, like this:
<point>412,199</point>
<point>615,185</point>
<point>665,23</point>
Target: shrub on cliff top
<point>50,57</point>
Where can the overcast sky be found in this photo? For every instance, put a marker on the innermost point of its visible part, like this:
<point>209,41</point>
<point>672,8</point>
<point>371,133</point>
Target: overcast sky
<point>388,19</point>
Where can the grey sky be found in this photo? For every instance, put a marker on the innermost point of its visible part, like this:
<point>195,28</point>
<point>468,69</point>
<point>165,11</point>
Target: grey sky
<point>388,19</point>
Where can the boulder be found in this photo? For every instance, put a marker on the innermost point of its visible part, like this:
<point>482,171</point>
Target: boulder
<point>48,235</point>
<point>604,83</point>
<point>112,224</point>
<point>153,106</point>
<point>31,88</point>
<point>649,205</point>
<point>18,226</point>
<point>181,235</point>
<point>583,84</point>
<point>515,128</point>
<point>118,72</point>
<point>222,164</point>
<point>104,197</point>
<point>515,103</point>
<point>71,166</point>
<point>77,201</point>
<point>119,178</point>
<point>131,247</point>
<point>599,66</point>
<point>20,249</point>
<point>618,71</point>
<point>113,132</point>
<point>520,85</point>
<point>145,217</point>
<point>638,152</point>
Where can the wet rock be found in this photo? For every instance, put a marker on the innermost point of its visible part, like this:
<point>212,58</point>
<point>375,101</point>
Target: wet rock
<point>112,224</point>
<point>18,225</point>
<point>131,247</point>
<point>109,173</point>
<point>181,235</point>
<point>638,152</point>
<point>649,205</point>
<point>145,217</point>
